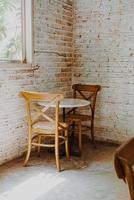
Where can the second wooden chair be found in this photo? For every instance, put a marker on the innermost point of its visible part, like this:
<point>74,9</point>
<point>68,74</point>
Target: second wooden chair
<point>87,92</point>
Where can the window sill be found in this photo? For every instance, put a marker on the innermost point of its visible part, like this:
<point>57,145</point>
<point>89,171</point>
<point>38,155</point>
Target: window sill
<point>16,65</point>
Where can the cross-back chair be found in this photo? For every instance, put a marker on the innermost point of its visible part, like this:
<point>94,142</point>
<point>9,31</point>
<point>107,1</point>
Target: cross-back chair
<point>87,92</point>
<point>42,125</point>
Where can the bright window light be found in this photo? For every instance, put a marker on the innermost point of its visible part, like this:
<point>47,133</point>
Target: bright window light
<point>16,31</point>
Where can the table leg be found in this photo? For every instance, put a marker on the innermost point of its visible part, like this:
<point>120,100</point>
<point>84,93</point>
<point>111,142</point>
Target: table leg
<point>72,133</point>
<point>71,146</point>
<point>73,151</point>
<point>64,115</point>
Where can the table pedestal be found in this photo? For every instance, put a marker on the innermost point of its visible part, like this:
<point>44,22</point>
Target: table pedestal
<point>72,149</point>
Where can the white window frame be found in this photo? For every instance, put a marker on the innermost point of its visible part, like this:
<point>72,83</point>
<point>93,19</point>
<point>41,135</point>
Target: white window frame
<point>27,28</point>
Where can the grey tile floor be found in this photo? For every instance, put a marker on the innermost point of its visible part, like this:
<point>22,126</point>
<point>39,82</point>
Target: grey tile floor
<point>91,177</point>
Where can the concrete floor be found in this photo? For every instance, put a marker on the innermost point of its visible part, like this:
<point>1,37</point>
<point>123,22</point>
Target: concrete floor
<point>91,177</point>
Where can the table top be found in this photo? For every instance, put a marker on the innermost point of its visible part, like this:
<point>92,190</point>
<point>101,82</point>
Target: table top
<point>68,103</point>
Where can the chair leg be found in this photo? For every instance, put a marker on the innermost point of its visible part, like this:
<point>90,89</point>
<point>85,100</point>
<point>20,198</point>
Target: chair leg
<point>39,147</point>
<point>28,153</point>
<point>80,142</point>
<point>57,154</point>
<point>66,144</point>
<point>92,134</point>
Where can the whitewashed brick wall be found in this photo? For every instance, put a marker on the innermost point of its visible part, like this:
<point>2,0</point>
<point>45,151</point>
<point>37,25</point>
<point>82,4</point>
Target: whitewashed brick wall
<point>53,53</point>
<point>98,49</point>
<point>104,54</point>
<point>53,44</point>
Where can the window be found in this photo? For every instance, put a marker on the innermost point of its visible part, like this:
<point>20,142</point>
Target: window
<point>15,28</point>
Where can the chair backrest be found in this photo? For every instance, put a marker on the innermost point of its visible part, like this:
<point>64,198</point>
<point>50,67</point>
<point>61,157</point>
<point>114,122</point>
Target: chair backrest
<point>32,98</point>
<point>87,92</point>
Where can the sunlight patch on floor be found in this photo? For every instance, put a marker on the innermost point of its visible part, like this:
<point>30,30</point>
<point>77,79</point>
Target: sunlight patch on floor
<point>32,188</point>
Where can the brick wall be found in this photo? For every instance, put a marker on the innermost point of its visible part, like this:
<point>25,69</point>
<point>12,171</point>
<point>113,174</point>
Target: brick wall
<point>104,54</point>
<point>53,29</point>
<point>53,53</point>
<point>97,49</point>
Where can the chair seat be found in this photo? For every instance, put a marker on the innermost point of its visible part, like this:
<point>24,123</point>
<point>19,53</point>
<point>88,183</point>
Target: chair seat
<point>48,127</point>
<point>79,117</point>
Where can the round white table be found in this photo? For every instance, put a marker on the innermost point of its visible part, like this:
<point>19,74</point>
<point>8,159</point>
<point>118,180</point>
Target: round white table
<point>68,103</point>
<point>73,103</point>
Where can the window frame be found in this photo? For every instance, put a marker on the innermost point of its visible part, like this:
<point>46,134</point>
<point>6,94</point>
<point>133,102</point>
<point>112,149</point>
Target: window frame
<point>27,30</point>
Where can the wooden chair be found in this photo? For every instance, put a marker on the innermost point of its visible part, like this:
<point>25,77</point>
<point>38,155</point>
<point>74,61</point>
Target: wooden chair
<point>87,92</point>
<point>124,164</point>
<point>42,126</point>
<point>129,176</point>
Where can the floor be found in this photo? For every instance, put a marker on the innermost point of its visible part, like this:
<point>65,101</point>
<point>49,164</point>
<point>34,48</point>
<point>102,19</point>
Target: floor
<point>91,177</point>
